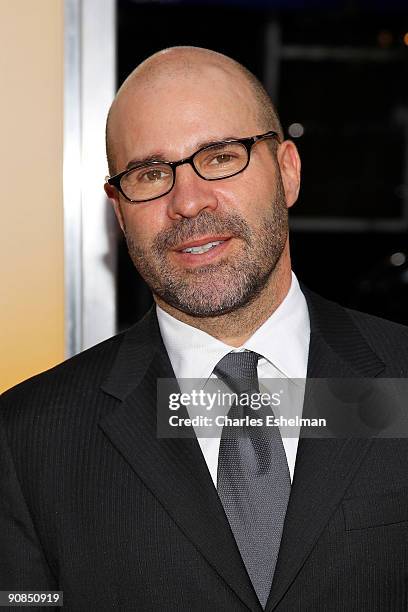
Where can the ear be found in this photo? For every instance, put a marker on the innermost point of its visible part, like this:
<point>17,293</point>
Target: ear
<point>114,200</point>
<point>289,164</point>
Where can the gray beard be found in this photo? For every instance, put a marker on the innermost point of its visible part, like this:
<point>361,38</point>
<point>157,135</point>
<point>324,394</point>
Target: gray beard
<point>219,288</point>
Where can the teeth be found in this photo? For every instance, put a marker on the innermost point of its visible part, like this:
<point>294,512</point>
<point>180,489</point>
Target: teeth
<point>203,248</point>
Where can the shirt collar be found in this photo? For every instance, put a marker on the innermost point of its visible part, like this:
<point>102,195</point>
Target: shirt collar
<point>283,339</point>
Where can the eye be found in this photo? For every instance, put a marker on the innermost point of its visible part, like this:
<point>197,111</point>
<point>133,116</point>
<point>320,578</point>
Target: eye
<point>152,175</point>
<point>222,158</point>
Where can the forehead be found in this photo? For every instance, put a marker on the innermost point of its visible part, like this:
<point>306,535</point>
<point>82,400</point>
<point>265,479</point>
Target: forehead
<point>176,113</point>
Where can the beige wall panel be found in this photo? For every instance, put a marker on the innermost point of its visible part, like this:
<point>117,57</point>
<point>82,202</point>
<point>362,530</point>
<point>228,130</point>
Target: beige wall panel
<point>31,230</point>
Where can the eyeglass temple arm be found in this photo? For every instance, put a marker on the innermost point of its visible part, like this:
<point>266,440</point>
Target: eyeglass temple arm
<point>271,134</point>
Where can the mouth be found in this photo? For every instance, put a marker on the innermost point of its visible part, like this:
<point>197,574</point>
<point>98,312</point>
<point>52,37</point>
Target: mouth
<point>201,245</point>
<point>202,250</point>
<point>198,250</point>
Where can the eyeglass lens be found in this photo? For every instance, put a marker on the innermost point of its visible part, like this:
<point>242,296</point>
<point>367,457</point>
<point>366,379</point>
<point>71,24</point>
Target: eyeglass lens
<point>155,179</point>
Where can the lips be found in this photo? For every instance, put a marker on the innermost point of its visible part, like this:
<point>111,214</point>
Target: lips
<point>202,251</point>
<point>197,242</point>
<point>199,250</point>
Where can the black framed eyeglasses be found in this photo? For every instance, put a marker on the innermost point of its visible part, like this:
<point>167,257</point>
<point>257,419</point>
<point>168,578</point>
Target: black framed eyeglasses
<point>153,179</point>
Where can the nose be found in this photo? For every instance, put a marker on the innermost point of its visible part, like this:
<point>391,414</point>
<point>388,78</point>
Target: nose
<point>191,194</point>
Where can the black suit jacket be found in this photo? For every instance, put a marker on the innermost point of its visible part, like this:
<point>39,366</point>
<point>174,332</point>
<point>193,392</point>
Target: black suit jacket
<point>94,504</point>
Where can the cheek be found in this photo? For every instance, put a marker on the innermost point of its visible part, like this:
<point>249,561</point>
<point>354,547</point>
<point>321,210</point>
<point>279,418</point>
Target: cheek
<point>143,224</point>
<point>250,198</point>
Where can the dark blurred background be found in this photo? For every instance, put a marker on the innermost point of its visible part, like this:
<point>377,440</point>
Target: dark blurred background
<point>337,71</point>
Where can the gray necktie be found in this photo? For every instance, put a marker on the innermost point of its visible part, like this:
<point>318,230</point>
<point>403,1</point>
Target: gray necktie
<point>253,479</point>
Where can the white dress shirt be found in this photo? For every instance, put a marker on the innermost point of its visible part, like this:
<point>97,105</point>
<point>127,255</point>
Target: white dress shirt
<point>282,340</point>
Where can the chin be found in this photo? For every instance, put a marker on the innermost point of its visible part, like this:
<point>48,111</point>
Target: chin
<point>203,307</point>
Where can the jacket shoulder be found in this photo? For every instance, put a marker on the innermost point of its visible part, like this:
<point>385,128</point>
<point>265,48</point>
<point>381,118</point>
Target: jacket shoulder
<point>355,335</point>
<point>376,324</point>
<point>387,338</point>
<point>329,313</point>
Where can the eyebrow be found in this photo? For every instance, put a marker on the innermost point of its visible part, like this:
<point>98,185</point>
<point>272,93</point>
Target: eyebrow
<point>160,156</point>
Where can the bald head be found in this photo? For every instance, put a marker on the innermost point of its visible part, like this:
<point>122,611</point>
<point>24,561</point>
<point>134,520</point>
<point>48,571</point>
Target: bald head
<point>189,65</point>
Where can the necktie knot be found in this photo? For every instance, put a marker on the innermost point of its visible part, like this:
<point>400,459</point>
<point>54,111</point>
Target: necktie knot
<point>238,370</point>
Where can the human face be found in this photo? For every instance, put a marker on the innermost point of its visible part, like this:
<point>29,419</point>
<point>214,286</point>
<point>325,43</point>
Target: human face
<point>245,215</point>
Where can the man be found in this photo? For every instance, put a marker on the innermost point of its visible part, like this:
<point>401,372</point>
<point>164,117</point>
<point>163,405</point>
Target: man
<point>93,502</point>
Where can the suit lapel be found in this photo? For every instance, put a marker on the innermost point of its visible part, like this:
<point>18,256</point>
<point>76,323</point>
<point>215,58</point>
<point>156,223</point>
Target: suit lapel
<point>324,467</point>
<point>173,469</point>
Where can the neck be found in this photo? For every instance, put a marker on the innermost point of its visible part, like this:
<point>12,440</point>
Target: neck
<point>234,328</point>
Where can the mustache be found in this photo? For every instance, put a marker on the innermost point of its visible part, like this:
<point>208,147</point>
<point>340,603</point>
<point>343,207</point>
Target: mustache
<point>205,223</point>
